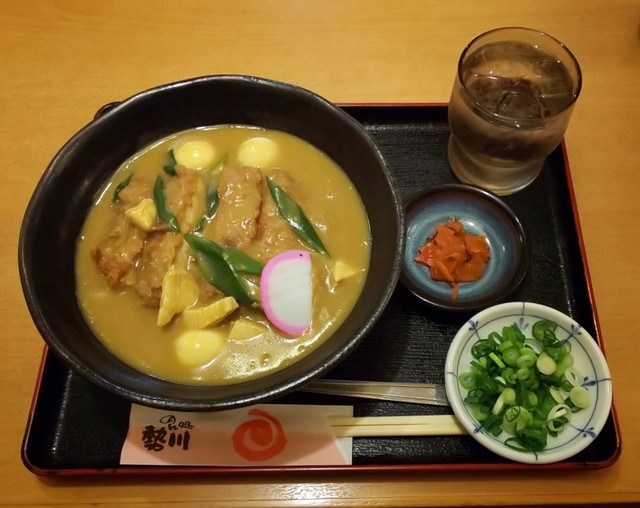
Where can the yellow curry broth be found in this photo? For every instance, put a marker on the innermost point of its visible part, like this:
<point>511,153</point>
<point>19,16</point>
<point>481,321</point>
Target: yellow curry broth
<point>128,327</point>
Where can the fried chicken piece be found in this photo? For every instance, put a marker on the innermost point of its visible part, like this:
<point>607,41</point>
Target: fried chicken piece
<point>236,220</point>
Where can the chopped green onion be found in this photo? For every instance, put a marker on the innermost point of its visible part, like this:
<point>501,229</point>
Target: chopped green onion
<point>467,380</point>
<point>525,361</point>
<point>557,425</point>
<point>508,395</point>
<point>481,348</point>
<point>558,411</point>
<point>563,365</point>
<point>531,400</point>
<point>530,438</point>
<point>556,394</point>
<point>525,418</point>
<point>513,334</point>
<point>479,412</point>
<point>494,339</point>
<point>546,365</point>
<point>498,406</point>
<point>524,386</point>
<point>572,376</point>
<point>497,360</point>
<point>509,375</point>
<point>540,328</point>
<point>580,397</point>
<point>510,356</point>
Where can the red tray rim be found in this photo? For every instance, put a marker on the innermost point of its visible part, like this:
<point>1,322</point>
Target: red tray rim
<point>129,470</point>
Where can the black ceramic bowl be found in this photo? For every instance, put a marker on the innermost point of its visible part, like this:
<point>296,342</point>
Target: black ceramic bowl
<point>64,195</point>
<point>481,213</point>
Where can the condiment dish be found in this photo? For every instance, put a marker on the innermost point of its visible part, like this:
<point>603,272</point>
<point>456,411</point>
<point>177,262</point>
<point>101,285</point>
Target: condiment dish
<point>481,213</point>
<point>588,360</point>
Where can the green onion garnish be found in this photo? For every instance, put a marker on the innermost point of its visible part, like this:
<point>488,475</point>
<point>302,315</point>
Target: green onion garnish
<point>119,187</point>
<point>293,214</point>
<point>164,214</point>
<point>169,166</point>
<point>524,386</point>
<point>213,199</point>
<point>221,266</point>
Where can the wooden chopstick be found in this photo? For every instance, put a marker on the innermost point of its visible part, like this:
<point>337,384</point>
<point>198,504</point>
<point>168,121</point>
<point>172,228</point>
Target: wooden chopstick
<point>381,426</point>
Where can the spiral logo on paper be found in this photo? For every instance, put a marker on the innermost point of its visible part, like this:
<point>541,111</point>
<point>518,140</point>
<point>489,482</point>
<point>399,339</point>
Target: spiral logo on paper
<point>260,438</point>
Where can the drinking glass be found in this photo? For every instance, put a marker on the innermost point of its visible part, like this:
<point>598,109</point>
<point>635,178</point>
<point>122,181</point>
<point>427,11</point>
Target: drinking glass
<point>511,102</point>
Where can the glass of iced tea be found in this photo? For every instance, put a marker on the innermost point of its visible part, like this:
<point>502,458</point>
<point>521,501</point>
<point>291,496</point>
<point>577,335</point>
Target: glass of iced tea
<point>511,101</point>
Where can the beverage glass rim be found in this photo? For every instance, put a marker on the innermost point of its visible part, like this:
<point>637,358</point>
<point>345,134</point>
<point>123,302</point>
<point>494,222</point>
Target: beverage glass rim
<point>521,121</point>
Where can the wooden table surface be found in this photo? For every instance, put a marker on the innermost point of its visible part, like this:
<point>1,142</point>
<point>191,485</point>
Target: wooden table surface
<point>63,59</point>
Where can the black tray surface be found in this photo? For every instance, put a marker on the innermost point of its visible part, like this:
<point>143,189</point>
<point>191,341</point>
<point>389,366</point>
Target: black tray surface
<point>76,427</point>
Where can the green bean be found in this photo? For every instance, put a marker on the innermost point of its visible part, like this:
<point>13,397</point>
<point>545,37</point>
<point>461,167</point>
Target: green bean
<point>293,214</point>
<point>164,214</point>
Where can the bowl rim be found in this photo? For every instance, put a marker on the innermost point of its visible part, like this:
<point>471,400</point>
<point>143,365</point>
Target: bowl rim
<point>279,388</point>
<point>422,293</point>
<point>518,310</point>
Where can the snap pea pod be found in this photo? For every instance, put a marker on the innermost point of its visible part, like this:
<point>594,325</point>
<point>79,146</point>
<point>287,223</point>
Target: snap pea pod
<point>170,164</point>
<point>118,189</point>
<point>164,214</point>
<point>218,270</point>
<point>293,214</point>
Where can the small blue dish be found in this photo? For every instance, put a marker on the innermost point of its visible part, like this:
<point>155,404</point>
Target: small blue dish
<point>481,213</point>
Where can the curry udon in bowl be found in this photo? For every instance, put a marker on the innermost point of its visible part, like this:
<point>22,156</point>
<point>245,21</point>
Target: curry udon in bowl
<point>215,243</point>
<point>175,320</point>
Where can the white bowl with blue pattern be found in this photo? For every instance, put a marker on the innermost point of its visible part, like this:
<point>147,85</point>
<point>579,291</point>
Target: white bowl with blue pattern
<point>584,426</point>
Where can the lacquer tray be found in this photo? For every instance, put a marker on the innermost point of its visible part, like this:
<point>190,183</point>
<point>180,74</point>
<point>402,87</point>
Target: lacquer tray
<point>76,428</point>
